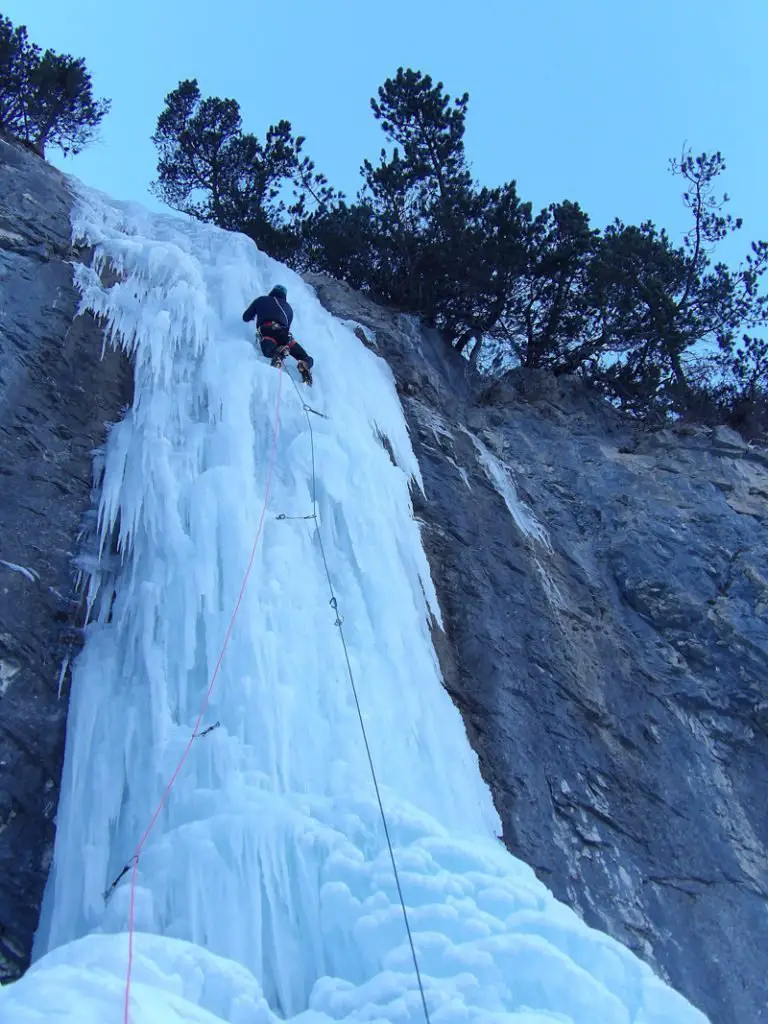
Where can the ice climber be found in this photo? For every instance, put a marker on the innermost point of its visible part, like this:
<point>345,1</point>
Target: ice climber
<point>273,322</point>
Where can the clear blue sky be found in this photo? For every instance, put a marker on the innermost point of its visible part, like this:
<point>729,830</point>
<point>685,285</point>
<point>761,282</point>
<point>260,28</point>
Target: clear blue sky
<point>577,99</point>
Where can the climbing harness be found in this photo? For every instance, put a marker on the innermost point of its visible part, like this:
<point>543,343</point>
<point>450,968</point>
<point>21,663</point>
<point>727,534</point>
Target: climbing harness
<point>339,623</point>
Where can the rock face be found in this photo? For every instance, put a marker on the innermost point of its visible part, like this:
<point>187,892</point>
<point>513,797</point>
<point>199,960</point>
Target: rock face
<point>56,394</point>
<point>605,595</point>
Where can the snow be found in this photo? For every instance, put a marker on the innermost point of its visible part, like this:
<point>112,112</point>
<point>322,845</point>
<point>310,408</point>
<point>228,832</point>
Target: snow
<point>266,891</point>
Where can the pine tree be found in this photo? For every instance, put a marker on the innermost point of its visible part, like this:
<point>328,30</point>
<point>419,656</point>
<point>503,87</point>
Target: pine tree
<point>211,169</point>
<point>46,99</point>
<point>652,323</point>
<point>665,305</point>
<point>549,320</point>
<point>422,236</point>
<point>415,193</point>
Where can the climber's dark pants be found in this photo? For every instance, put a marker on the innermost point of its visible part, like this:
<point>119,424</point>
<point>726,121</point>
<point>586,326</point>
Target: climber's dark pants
<point>276,337</point>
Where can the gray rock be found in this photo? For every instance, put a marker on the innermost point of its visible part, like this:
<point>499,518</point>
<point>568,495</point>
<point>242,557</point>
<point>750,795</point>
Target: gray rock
<point>605,592</point>
<point>56,395</point>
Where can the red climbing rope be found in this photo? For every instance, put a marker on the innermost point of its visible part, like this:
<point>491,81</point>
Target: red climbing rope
<point>204,705</point>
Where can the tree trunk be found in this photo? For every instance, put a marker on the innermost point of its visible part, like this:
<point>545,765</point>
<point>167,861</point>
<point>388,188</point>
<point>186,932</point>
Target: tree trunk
<point>682,386</point>
<point>475,353</point>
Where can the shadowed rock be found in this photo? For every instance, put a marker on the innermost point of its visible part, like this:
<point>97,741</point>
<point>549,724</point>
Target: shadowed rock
<point>56,395</point>
<point>605,592</point>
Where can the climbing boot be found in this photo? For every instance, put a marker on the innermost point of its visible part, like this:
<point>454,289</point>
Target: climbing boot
<point>279,357</point>
<point>304,370</point>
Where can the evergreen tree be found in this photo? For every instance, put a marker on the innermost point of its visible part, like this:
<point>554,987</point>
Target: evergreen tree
<point>414,195</point>
<point>484,258</point>
<point>663,305</point>
<point>652,323</point>
<point>549,320</point>
<point>212,170</point>
<point>46,99</point>
<point>422,236</point>
<point>735,388</point>
<point>427,128</point>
